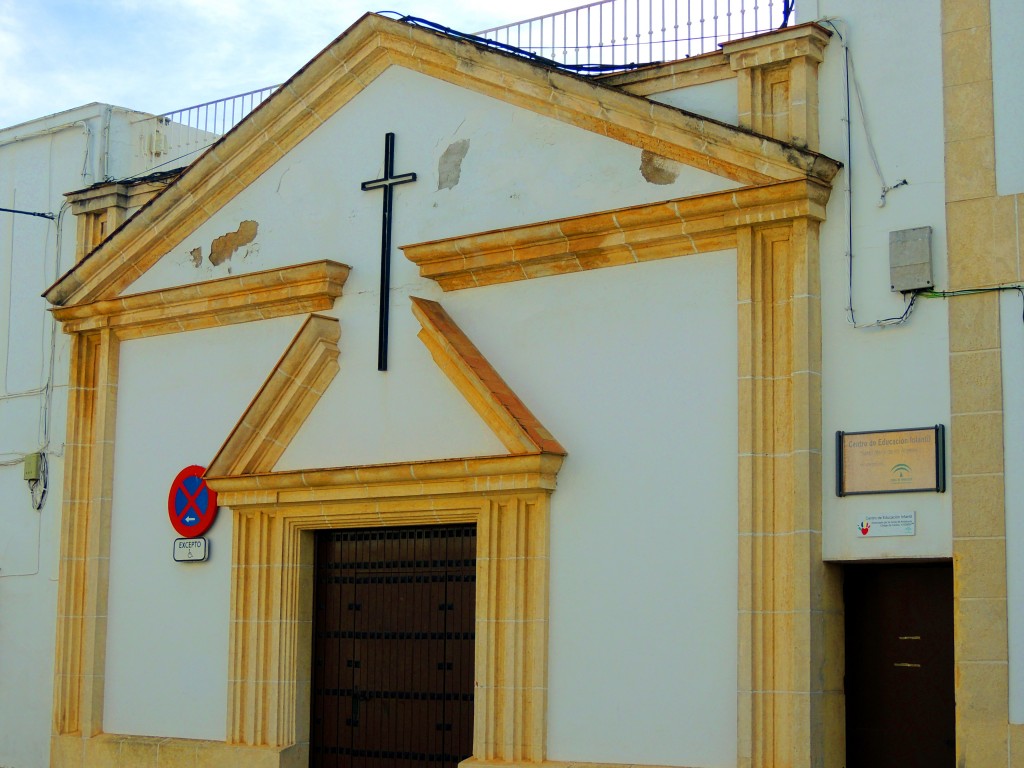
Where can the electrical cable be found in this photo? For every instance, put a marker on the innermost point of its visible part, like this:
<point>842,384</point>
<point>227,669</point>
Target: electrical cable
<point>872,153</point>
<point>88,148</point>
<point>5,394</point>
<point>148,172</point>
<point>38,488</point>
<point>526,54</point>
<point>974,292</point>
<point>788,7</point>
<point>898,319</point>
<point>851,316</point>
<point>787,10</point>
<point>45,415</point>
<point>852,87</point>
<point>49,216</point>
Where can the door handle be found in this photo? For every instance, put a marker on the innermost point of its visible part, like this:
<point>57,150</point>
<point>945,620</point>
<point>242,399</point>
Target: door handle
<point>356,698</point>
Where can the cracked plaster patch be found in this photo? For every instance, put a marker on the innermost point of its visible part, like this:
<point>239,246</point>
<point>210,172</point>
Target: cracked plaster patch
<point>224,247</point>
<point>449,167</point>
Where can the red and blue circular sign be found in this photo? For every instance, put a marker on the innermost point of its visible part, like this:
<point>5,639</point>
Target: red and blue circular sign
<point>191,505</point>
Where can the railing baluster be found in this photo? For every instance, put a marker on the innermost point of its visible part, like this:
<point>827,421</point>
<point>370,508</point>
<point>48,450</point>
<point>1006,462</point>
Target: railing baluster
<point>689,27</point>
<point>714,39</point>
<point>637,35</point>
<point>650,30</point>
<point>576,35</point>
<point>664,33</point>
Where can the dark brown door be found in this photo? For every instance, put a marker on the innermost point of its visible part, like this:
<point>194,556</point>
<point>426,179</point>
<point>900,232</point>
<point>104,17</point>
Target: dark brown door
<point>393,647</point>
<point>900,709</point>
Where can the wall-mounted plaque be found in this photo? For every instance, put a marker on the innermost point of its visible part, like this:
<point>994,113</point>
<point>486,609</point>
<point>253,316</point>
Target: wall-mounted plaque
<point>891,461</point>
<point>889,524</point>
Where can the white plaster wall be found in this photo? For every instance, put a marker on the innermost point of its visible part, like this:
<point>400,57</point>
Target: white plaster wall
<point>412,412</point>
<point>519,168</point>
<point>876,378</point>
<point>39,161</point>
<point>633,369</point>
<point>1008,93</point>
<point>167,633</point>
<point>718,100</point>
<point>1012,331</point>
<point>644,519</point>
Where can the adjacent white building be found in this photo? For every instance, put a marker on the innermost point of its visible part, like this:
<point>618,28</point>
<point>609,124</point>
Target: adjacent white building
<point>39,162</point>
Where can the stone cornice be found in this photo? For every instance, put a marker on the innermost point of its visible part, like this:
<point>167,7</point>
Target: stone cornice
<point>668,76</point>
<point>488,475</point>
<point>781,45</point>
<point>256,296</point>
<point>611,238</point>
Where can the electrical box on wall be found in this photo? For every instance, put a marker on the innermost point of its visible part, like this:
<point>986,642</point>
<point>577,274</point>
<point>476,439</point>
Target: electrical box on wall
<point>910,259</point>
<point>32,466</point>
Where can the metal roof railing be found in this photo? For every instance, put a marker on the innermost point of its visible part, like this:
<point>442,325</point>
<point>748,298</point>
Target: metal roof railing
<point>161,140</point>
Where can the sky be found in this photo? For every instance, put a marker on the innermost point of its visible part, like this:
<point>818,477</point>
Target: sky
<point>162,56</point>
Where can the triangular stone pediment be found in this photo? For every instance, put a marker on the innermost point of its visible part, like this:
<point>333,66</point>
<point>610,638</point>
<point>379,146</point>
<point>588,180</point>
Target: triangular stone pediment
<point>283,403</point>
<point>309,366</point>
<point>346,68</point>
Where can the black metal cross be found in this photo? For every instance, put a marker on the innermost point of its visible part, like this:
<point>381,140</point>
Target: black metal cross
<point>387,183</point>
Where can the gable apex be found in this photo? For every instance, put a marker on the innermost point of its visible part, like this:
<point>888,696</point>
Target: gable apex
<point>354,60</point>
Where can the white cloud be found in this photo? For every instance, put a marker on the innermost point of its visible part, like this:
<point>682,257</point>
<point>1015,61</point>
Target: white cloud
<point>57,54</point>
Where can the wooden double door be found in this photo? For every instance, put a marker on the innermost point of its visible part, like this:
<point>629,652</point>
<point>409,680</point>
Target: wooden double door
<point>393,647</point>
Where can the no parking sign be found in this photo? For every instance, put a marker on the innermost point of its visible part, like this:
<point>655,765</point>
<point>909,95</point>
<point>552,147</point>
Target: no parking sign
<point>191,505</point>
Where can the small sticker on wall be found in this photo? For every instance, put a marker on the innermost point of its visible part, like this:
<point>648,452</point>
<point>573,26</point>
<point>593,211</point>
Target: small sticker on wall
<point>892,524</point>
